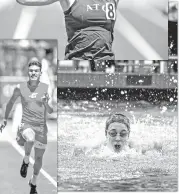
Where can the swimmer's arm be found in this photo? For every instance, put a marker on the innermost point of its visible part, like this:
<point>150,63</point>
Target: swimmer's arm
<point>78,150</point>
<point>86,147</point>
<point>36,2</point>
<point>143,148</point>
<point>15,95</point>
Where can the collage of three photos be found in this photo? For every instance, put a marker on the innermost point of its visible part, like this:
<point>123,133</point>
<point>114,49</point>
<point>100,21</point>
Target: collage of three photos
<point>88,96</point>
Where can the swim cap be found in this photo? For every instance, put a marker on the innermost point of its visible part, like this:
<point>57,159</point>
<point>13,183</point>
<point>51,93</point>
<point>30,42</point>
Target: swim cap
<point>35,61</point>
<point>120,118</point>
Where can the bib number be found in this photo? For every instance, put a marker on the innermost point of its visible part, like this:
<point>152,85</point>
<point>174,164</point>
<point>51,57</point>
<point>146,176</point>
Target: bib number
<point>110,11</point>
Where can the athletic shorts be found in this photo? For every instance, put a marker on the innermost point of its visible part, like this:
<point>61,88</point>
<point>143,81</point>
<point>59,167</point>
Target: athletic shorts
<point>28,131</point>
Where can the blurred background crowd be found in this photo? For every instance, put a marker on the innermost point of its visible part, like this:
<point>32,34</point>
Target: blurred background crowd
<point>15,55</point>
<point>118,66</point>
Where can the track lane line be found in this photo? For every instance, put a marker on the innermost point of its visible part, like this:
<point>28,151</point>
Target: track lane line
<point>135,38</point>
<point>26,20</point>
<point>21,152</point>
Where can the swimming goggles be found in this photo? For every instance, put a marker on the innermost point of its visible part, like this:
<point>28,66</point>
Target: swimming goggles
<point>113,133</point>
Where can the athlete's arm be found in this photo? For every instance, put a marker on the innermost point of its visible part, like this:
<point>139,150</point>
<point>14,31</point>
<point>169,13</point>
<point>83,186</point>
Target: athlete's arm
<point>45,100</point>
<point>11,102</point>
<point>117,1</point>
<point>66,4</point>
<point>9,106</point>
<point>36,2</point>
<point>48,108</point>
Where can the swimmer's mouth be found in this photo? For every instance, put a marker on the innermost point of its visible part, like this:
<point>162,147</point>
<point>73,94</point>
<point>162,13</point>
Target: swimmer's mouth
<point>117,147</point>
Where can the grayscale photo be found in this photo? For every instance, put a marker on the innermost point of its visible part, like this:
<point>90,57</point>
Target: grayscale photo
<point>28,116</point>
<point>117,126</point>
<point>91,29</point>
<point>173,29</point>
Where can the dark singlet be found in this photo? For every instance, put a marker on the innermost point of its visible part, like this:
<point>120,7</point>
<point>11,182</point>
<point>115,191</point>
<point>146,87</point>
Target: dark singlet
<point>34,112</point>
<point>89,26</point>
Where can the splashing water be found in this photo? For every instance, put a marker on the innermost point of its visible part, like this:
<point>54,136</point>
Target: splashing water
<point>85,164</point>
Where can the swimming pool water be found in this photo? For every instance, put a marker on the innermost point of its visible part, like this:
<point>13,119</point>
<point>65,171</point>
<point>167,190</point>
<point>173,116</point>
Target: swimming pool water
<point>152,130</point>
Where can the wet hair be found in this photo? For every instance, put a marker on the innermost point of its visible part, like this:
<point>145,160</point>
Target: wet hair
<point>35,61</point>
<point>119,118</point>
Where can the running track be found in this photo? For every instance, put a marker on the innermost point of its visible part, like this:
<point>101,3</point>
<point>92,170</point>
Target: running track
<point>11,181</point>
<point>141,30</point>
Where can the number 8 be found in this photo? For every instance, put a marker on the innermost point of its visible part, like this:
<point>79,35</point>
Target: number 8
<point>110,11</point>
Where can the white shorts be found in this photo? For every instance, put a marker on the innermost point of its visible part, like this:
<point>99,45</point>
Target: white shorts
<point>29,135</point>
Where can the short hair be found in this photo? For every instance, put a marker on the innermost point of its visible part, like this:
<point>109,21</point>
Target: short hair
<point>120,118</point>
<point>35,61</point>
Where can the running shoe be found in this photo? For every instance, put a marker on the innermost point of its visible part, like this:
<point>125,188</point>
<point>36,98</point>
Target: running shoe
<point>23,170</point>
<point>32,188</point>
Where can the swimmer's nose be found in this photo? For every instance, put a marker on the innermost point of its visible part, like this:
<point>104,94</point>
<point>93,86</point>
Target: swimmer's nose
<point>118,138</point>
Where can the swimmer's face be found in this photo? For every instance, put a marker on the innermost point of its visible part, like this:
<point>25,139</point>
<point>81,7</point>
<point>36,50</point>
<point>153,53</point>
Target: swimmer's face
<point>117,136</point>
<point>34,73</point>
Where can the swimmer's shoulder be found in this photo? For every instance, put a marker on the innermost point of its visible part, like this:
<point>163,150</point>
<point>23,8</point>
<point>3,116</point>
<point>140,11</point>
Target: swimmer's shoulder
<point>87,147</point>
<point>134,146</point>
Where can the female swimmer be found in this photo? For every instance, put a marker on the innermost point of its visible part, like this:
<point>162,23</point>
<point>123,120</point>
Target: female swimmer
<point>117,132</point>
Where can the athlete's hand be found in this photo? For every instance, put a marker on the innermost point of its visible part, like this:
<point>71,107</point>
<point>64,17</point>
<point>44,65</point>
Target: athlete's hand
<point>45,98</point>
<point>3,125</point>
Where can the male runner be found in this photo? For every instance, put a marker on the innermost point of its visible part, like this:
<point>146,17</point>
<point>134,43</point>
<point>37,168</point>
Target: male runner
<point>33,128</point>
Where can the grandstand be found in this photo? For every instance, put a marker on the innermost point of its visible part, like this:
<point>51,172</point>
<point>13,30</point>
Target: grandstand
<point>79,81</point>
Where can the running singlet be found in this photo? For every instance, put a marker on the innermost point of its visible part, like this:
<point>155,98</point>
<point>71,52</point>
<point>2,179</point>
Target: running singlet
<point>89,26</point>
<point>34,112</point>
